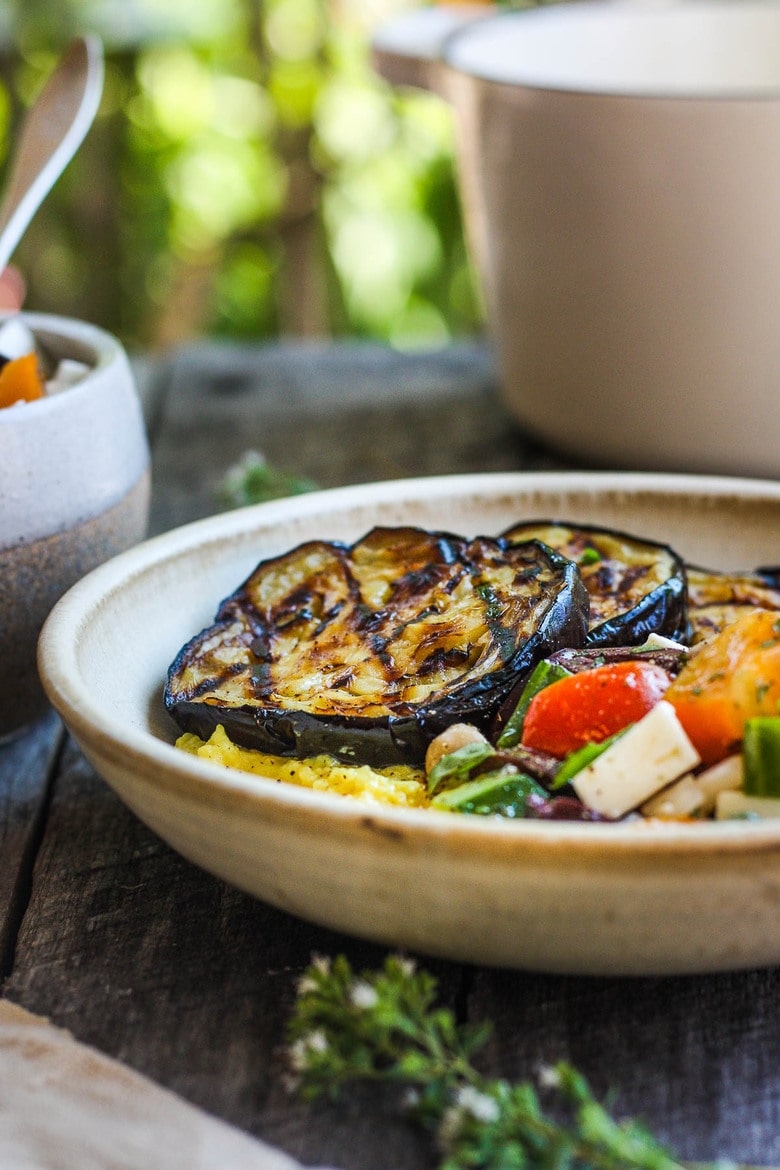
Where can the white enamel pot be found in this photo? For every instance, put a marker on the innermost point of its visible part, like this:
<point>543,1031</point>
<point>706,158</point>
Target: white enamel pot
<point>619,168</point>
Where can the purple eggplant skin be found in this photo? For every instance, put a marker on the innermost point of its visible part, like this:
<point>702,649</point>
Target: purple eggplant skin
<point>637,587</point>
<point>524,601</point>
<point>770,574</point>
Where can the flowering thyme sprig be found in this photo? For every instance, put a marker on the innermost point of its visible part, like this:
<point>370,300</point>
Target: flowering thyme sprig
<point>378,1026</point>
<point>385,1026</point>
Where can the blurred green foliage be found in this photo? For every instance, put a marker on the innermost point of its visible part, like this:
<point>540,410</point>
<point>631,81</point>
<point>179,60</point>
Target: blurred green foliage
<point>248,175</point>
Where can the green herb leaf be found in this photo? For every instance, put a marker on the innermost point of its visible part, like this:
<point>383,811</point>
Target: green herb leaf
<point>503,792</point>
<point>457,766</point>
<point>543,675</point>
<point>253,480</point>
<point>583,756</point>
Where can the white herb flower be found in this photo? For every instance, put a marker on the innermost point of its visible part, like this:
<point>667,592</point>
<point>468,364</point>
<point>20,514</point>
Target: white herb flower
<point>317,1041</point>
<point>362,995</point>
<point>407,966</point>
<point>479,1105</point>
<point>291,1083</point>
<point>303,1049</point>
<point>411,1098</point>
<point>321,963</point>
<point>306,985</point>
<point>549,1077</point>
<point>299,1056</point>
<point>449,1127</point>
<point>468,1102</point>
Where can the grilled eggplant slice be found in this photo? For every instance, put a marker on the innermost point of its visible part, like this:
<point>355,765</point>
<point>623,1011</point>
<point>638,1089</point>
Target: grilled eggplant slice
<point>637,587</point>
<point>716,599</point>
<point>367,652</point>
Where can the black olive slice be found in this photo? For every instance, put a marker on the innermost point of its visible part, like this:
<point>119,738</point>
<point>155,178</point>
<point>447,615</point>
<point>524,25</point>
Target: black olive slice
<point>367,652</point>
<point>636,587</point>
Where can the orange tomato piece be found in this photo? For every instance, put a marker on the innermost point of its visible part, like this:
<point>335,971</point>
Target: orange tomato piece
<point>733,677</point>
<point>592,705</point>
<point>21,381</point>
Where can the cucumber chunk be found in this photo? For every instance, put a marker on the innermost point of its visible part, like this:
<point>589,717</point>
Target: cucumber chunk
<point>761,751</point>
<point>503,793</point>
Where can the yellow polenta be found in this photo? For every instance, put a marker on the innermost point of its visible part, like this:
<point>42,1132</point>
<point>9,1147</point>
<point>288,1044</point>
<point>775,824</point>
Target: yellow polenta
<point>399,785</point>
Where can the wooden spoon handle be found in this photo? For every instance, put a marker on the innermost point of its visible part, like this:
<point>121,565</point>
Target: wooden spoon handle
<point>51,132</point>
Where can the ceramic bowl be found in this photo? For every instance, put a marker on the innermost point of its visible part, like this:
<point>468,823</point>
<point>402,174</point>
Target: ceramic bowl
<point>620,181</point>
<point>589,898</point>
<point>74,486</point>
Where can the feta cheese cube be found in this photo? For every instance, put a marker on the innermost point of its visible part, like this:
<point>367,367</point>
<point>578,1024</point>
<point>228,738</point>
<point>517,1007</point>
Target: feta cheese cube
<point>696,794</point>
<point>650,755</point>
<point>738,804</point>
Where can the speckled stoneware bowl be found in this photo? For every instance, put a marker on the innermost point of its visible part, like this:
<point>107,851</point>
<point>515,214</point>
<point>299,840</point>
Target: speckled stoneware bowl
<point>74,491</point>
<point>598,898</point>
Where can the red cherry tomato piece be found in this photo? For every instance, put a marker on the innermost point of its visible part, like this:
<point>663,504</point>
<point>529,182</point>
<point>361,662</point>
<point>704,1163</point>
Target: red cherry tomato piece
<point>592,705</point>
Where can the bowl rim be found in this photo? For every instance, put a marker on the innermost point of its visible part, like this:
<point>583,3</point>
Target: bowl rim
<point>155,761</point>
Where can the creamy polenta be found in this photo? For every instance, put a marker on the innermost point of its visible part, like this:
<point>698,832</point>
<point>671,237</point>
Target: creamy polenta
<point>398,785</point>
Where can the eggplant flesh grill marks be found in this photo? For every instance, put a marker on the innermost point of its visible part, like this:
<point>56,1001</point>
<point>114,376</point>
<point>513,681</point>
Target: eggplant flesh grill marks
<point>636,587</point>
<point>716,599</point>
<point>368,651</point>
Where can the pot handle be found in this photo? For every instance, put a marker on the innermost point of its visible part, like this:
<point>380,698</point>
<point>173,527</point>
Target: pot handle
<point>406,50</point>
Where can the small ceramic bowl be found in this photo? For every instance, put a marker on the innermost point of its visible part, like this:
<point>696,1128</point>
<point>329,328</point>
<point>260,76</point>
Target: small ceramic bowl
<point>74,491</point>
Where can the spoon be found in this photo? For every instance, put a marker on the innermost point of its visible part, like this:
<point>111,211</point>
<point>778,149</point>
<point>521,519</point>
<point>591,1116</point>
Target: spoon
<point>51,132</point>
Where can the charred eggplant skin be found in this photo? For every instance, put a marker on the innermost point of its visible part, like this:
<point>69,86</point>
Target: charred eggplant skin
<point>636,586</point>
<point>368,651</point>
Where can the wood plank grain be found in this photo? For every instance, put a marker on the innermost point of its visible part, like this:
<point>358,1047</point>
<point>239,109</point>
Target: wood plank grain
<point>698,1056</point>
<point>26,765</point>
<point>190,982</point>
<point>186,979</point>
<point>333,414</point>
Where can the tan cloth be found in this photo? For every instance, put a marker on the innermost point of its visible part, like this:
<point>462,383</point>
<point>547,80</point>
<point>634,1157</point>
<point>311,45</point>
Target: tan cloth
<point>64,1106</point>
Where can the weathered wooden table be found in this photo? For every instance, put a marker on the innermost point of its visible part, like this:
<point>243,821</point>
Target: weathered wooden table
<point>113,936</point>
